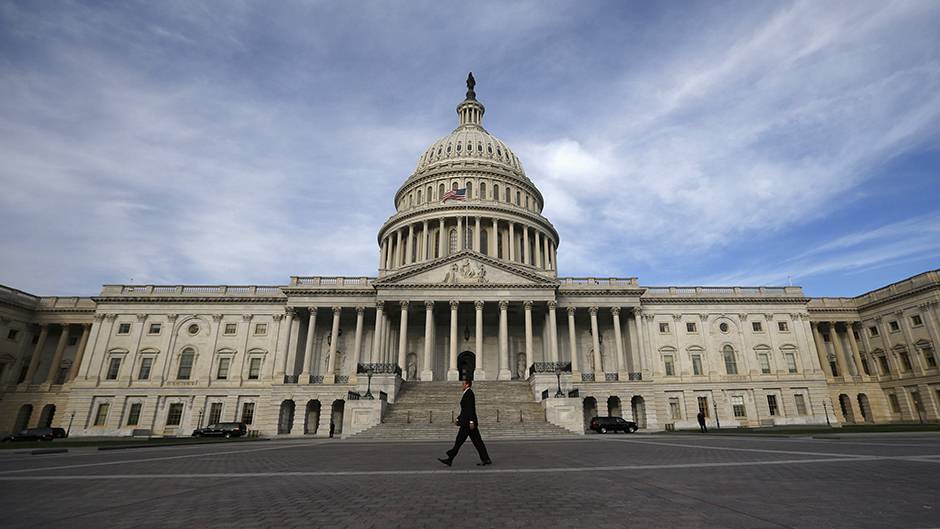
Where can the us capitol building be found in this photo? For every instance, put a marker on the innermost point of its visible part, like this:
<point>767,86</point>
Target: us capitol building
<point>467,287</point>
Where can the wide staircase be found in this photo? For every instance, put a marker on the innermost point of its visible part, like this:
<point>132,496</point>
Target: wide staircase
<point>426,410</point>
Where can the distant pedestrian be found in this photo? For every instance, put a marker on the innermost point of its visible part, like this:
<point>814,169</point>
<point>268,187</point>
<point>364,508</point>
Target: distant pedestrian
<point>332,427</point>
<point>701,422</point>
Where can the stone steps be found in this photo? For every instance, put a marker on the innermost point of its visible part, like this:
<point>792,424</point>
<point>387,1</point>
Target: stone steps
<point>425,410</point>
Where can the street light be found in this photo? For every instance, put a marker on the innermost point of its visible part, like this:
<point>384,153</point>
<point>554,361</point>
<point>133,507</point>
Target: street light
<point>717,421</point>
<point>826,409</point>
<point>69,429</point>
<point>368,394</point>
<point>559,394</point>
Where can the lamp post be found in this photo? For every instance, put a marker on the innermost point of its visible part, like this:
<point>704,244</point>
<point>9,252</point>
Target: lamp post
<point>368,394</point>
<point>559,394</point>
<point>69,429</point>
<point>199,423</point>
<point>826,409</point>
<point>717,421</point>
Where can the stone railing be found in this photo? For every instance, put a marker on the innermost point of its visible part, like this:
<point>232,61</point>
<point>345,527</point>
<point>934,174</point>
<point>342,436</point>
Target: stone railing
<point>595,282</point>
<point>726,291</point>
<point>191,290</point>
<point>296,281</point>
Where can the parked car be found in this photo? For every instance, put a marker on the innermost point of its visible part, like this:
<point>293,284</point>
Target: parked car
<point>36,434</point>
<point>613,424</point>
<point>222,429</point>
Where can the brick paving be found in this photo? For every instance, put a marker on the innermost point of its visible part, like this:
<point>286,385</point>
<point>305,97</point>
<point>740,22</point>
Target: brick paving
<point>595,481</point>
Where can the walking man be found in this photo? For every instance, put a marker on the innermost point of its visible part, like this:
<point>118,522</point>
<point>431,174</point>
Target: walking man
<point>469,427</point>
<point>701,422</point>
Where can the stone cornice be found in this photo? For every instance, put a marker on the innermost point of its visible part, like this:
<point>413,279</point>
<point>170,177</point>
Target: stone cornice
<point>189,299</point>
<point>700,300</point>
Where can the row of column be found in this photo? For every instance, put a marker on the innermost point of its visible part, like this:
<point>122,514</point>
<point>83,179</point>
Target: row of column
<point>382,350</point>
<point>852,369</point>
<point>416,242</point>
<point>36,355</point>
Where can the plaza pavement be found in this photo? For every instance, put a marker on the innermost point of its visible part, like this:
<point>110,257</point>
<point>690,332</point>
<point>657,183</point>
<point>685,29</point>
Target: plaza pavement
<point>595,481</point>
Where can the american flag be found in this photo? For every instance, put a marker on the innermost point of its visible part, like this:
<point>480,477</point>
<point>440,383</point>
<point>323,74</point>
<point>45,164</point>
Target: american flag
<point>456,194</point>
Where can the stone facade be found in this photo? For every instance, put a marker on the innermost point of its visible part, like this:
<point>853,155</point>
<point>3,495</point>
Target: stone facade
<point>467,286</point>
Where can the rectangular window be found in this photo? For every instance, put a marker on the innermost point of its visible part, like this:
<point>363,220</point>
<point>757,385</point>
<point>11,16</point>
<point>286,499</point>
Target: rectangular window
<point>60,377</point>
<point>254,369</point>
<point>133,417</point>
<point>905,361</point>
<point>664,328</point>
<point>929,356</point>
<point>916,321</point>
<point>800,404</point>
<point>72,341</point>
<point>145,364</point>
<point>674,411</point>
<point>885,369</point>
<point>13,334</point>
<point>764,363</point>
<point>873,331</point>
<point>155,328</point>
<point>855,335</point>
<point>215,412</point>
<point>175,414</point>
<point>756,325</point>
<point>248,412</point>
<point>114,368</point>
<point>865,367</point>
<point>893,326</point>
<point>791,362</point>
<point>231,328</point>
<point>670,365</point>
<point>737,404</point>
<point>703,405</point>
<point>101,417</point>
<point>124,328</point>
<point>826,337</point>
<point>35,339</point>
<point>696,364</point>
<point>772,404</point>
<point>782,326</point>
<point>895,405</point>
<point>261,329</point>
<point>223,368</point>
<point>690,327</point>
<point>186,366</point>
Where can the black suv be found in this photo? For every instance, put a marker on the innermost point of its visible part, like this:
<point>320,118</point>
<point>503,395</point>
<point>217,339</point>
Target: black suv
<point>36,434</point>
<point>612,424</point>
<point>222,429</point>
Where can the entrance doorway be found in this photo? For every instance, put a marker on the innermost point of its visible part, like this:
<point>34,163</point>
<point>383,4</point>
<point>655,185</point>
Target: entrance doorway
<point>466,363</point>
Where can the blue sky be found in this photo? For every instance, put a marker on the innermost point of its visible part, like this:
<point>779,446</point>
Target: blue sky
<point>683,143</point>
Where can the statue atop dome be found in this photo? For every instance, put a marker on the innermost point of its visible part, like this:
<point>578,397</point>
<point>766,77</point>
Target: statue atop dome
<point>471,82</point>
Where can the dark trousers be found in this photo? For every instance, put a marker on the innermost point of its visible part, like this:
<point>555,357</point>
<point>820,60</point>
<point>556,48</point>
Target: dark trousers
<point>474,434</point>
<point>703,427</point>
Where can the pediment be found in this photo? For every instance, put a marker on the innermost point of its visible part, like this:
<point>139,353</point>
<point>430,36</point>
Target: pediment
<point>467,268</point>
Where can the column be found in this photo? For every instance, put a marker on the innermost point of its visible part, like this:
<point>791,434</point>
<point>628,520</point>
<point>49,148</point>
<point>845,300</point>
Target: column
<point>426,373</point>
<point>618,338</point>
<point>504,372</point>
<point>528,336</point>
<point>479,373</point>
<point>493,240</point>
<point>526,254</point>
<point>512,242</point>
<point>82,344</point>
<point>403,337</point>
<point>644,338</point>
<point>538,248</point>
<point>452,373</point>
<point>383,256</point>
<point>377,335</point>
<point>440,239</point>
<point>634,331</point>
<point>425,241</point>
<point>856,355</point>
<point>553,331</point>
<point>460,234</point>
<point>330,376</point>
<point>931,323</point>
<point>57,359</point>
<point>545,246</point>
<point>37,352</point>
<point>821,349</point>
<point>476,235</point>
<point>598,367</point>
<point>409,245</point>
<point>840,353</point>
<point>913,353</point>
<point>572,341</point>
<point>357,348</point>
<point>282,361</point>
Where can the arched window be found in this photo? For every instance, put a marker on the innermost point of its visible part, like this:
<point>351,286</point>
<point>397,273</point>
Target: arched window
<point>468,239</point>
<point>469,190</point>
<point>414,249</point>
<point>453,241</point>
<point>496,193</point>
<point>430,194</point>
<point>518,197</point>
<point>186,364</point>
<point>437,246</point>
<point>419,196</point>
<point>484,242</point>
<point>731,363</point>
<point>482,191</point>
<point>441,194</point>
<point>499,245</point>
<point>508,194</point>
<point>454,186</point>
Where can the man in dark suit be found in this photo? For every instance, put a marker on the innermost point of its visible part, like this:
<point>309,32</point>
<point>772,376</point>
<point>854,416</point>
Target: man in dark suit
<point>469,427</point>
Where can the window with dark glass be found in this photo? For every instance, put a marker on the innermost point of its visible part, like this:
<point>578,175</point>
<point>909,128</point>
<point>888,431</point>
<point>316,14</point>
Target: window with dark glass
<point>113,368</point>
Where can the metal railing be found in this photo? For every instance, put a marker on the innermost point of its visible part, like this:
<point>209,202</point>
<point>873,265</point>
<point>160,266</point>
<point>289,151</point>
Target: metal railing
<point>550,367</point>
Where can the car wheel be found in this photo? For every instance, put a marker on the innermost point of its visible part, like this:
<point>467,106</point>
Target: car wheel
<point>632,429</point>
<point>603,430</point>
<point>197,434</point>
<point>228,435</point>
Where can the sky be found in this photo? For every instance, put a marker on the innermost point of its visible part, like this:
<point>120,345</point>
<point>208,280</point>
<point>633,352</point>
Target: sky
<point>682,143</point>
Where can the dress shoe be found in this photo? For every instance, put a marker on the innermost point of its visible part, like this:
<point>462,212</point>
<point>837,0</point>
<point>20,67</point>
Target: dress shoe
<point>483,464</point>
<point>445,461</point>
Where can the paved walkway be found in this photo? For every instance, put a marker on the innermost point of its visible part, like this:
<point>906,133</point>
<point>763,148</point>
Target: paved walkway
<point>596,481</point>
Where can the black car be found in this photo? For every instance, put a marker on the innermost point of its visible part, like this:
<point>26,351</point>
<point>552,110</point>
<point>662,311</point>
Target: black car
<point>613,424</point>
<point>36,434</point>
<point>222,429</point>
